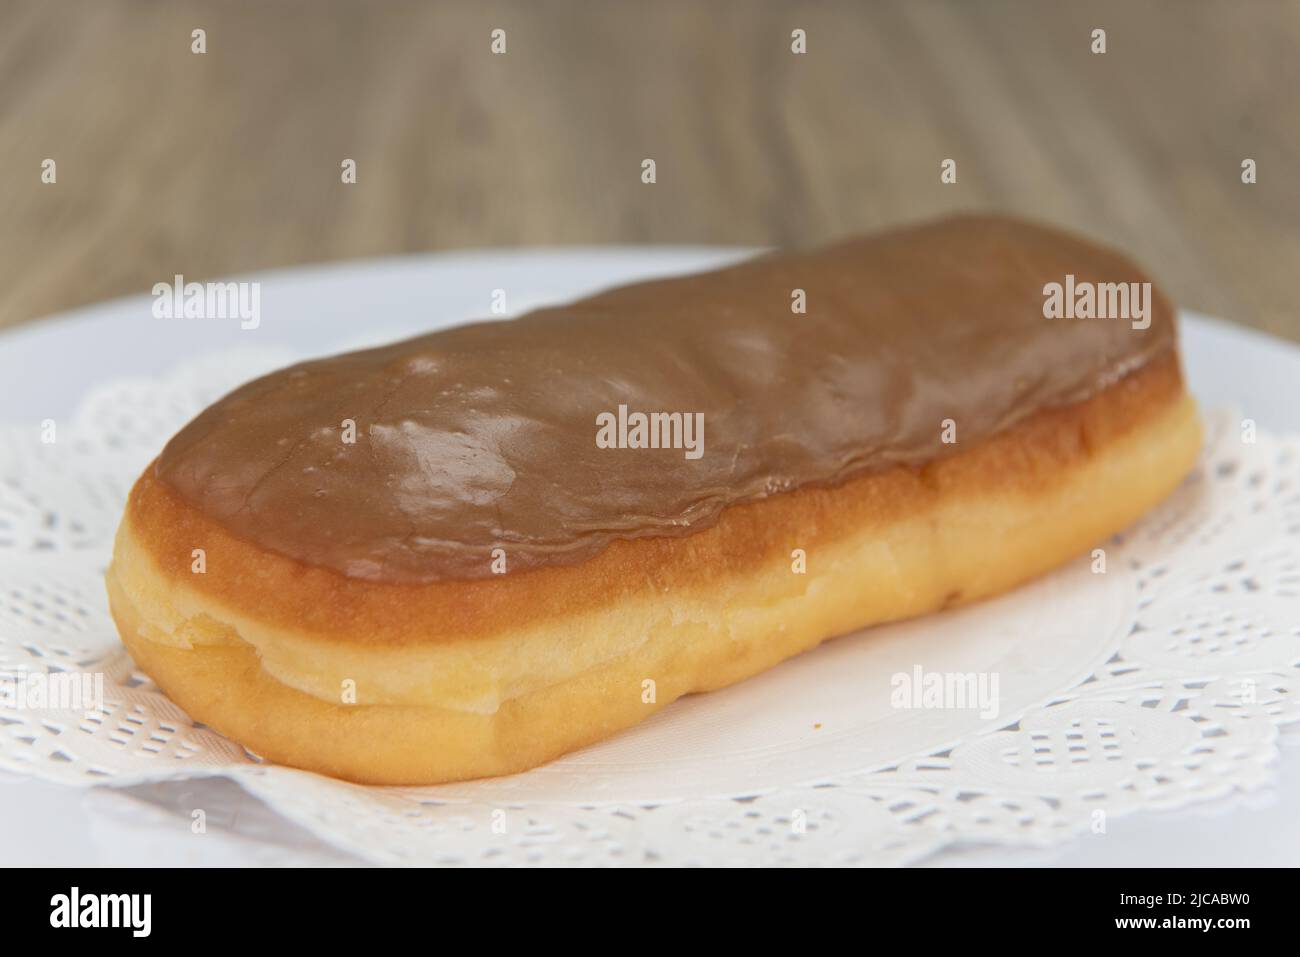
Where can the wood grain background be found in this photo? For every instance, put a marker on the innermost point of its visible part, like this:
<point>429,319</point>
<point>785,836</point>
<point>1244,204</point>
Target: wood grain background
<point>226,162</point>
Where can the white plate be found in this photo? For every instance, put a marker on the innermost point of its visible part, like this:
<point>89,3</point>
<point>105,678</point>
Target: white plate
<point>47,367</point>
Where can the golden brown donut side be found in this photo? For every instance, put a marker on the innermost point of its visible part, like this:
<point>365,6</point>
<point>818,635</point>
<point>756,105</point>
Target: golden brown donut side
<point>458,680</point>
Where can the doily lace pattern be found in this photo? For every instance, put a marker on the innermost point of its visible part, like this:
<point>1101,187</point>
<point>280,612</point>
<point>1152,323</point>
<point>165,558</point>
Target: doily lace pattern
<point>1196,679</point>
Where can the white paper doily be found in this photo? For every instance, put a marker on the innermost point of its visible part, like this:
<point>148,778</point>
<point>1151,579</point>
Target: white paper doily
<point>1159,683</point>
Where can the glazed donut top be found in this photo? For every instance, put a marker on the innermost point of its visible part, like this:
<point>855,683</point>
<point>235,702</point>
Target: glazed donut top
<point>523,435</point>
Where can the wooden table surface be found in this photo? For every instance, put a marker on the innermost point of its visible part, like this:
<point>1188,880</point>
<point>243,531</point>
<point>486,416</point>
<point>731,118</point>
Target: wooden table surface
<point>209,164</point>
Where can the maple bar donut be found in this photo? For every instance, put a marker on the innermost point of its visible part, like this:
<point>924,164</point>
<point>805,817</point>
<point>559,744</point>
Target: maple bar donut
<point>465,554</point>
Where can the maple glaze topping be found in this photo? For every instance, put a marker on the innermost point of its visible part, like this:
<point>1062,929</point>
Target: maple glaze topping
<point>484,436</point>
